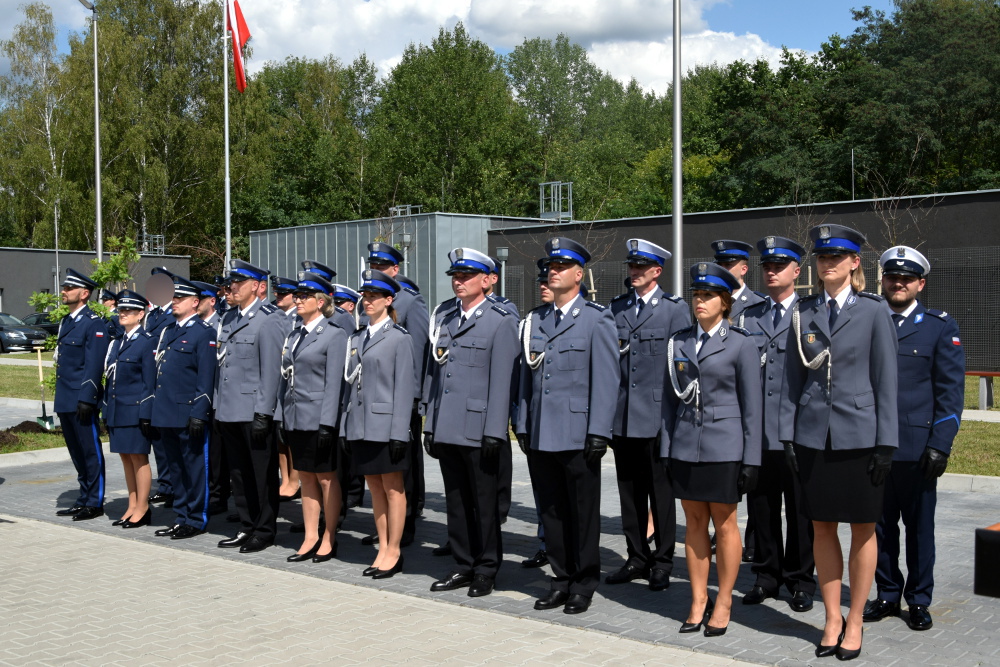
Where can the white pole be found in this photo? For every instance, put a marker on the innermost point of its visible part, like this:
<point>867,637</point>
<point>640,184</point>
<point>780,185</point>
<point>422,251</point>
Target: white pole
<point>225,88</point>
<point>677,219</point>
<point>97,149</point>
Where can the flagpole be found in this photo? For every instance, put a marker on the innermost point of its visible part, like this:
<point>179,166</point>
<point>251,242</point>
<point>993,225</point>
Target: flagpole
<point>677,215</point>
<point>225,88</point>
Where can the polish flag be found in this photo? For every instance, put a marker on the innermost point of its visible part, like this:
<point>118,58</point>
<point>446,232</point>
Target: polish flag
<point>241,33</point>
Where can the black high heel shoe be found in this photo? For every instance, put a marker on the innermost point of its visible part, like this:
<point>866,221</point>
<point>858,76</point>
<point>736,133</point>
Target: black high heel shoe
<point>696,627</point>
<point>146,519</point>
<point>322,558</point>
<point>850,654</point>
<point>827,650</point>
<point>369,571</point>
<point>298,558</point>
<point>392,571</point>
<point>119,522</point>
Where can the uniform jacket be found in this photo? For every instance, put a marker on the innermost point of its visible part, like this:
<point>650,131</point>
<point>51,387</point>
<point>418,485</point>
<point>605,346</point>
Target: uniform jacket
<point>313,378</point>
<point>860,410</point>
<point>772,347</point>
<point>290,322</point>
<point>643,344</point>
<point>745,300</point>
<point>573,391</point>
<point>213,321</point>
<point>931,382</point>
<point>469,395</point>
<point>344,320</point>
<point>130,378</point>
<point>724,422</point>
<point>249,363</point>
<point>157,320</point>
<point>82,347</point>
<point>504,303</point>
<point>378,403</point>
<point>185,374</point>
<point>412,315</point>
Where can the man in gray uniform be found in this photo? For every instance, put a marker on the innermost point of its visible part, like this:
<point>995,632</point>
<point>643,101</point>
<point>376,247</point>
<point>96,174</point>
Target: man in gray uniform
<point>566,408</point>
<point>646,317</point>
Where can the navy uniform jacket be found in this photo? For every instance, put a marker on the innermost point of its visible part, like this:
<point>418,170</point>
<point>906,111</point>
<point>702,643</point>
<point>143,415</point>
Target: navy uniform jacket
<point>412,315</point>
<point>377,404</point>
<point>746,299</point>
<point>723,421</point>
<point>574,389</point>
<point>860,411</point>
<point>643,360</point>
<point>81,350</point>
<point>249,363</point>
<point>772,347</point>
<point>311,390</point>
<point>469,395</point>
<point>157,320</point>
<point>130,378</point>
<point>115,329</point>
<point>185,374</point>
<point>931,382</point>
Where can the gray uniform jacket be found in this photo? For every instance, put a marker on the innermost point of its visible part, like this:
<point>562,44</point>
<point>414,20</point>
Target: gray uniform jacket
<point>290,322</point>
<point>643,360</point>
<point>722,420</point>
<point>469,395</point>
<point>213,321</point>
<point>378,401</point>
<point>344,320</point>
<point>772,345</point>
<point>573,390</point>
<point>746,299</point>
<point>412,315</point>
<point>859,411</point>
<point>249,363</point>
<point>313,377</point>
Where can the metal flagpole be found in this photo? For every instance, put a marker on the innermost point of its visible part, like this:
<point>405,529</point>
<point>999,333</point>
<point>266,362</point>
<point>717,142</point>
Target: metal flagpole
<point>677,219</point>
<point>225,88</point>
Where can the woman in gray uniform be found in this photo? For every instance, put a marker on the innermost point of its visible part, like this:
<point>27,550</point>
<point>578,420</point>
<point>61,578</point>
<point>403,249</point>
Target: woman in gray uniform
<point>841,414</point>
<point>376,421</point>
<point>312,368</point>
<point>711,438</point>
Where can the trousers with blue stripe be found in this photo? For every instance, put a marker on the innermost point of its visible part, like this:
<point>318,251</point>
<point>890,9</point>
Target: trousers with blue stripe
<point>189,462</point>
<point>84,447</point>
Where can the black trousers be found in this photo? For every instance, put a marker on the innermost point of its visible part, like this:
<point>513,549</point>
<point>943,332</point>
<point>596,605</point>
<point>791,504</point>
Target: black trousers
<point>569,497</point>
<point>908,496</point>
<point>254,473</point>
<point>506,479</point>
<point>163,481</point>
<point>413,478</point>
<point>470,487</point>
<point>219,488</point>
<point>643,484</point>
<point>778,563</point>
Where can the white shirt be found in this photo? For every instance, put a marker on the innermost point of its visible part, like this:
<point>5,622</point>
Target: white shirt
<point>644,299</point>
<point>76,312</point>
<point>567,309</point>
<point>467,314</point>
<point>909,311</point>
<point>697,346</point>
<point>375,328</point>
<point>243,313</point>
<point>186,320</point>
<point>841,298</point>
<point>785,303</point>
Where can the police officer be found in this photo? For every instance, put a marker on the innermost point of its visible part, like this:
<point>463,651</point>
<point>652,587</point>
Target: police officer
<point>160,289</point>
<point>82,346</point>
<point>249,357</point>
<point>467,420</point>
<point>219,488</point>
<point>778,564</point>
<point>207,305</point>
<point>646,317</point>
<point>566,409</point>
<point>109,300</point>
<point>734,256</point>
<point>931,396</point>
<point>341,317</point>
<point>491,292</point>
<point>347,300</point>
<point>352,487</point>
<point>283,289</point>
<point>840,411</point>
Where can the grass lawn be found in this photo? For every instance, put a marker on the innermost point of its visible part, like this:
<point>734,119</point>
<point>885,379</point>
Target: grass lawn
<point>24,442</point>
<point>22,382</point>
<point>977,449</point>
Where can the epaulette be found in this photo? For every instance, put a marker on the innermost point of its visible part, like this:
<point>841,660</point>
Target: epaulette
<point>411,290</point>
<point>818,298</point>
<point>338,309</point>
<point>672,297</point>
<point>598,306</point>
<point>940,314</point>
<point>873,297</point>
<point>501,299</point>
<point>622,296</point>
<point>740,330</point>
<point>763,296</point>
<point>267,309</point>
<point>94,316</point>
<point>145,333</point>
<point>757,306</point>
<point>500,310</point>
<point>397,326</point>
<point>205,324</point>
<point>684,330</point>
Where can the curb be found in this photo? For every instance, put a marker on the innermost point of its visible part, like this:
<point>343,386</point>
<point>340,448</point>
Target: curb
<point>28,403</point>
<point>54,455</point>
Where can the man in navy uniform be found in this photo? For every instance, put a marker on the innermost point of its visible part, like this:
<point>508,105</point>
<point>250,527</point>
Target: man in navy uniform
<point>734,256</point>
<point>219,489</point>
<point>646,316</point>
<point>159,290</point>
<point>82,346</point>
<point>931,396</point>
<point>791,563</point>
<point>182,408</point>
<point>566,409</point>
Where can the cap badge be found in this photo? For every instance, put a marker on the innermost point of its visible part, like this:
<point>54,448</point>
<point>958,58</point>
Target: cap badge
<point>634,244</point>
<point>900,252</point>
<point>702,269</point>
<point>824,232</point>
<point>367,274</point>
<point>769,241</point>
<point>719,246</point>
<point>459,253</point>
<point>555,244</point>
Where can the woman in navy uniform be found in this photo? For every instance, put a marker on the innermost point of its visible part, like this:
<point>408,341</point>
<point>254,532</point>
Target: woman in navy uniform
<point>375,425</point>
<point>840,413</point>
<point>711,435</point>
<point>312,368</point>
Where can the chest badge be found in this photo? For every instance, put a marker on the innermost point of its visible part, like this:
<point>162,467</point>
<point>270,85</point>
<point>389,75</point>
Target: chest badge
<point>681,366</point>
<point>810,338</point>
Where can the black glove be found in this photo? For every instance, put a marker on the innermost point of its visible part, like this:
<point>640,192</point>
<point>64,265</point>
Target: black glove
<point>594,448</point>
<point>933,462</point>
<point>344,447</point>
<point>523,443</point>
<point>747,481</point>
<point>429,445</point>
<point>880,464</point>
<point>146,428</point>
<point>790,458</point>
<point>259,430</point>
<point>327,436</point>
<point>490,448</point>
<point>397,451</point>
<point>196,429</point>
<point>665,462</point>
<point>84,411</point>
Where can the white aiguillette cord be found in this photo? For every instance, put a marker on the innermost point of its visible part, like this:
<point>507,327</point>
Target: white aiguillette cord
<point>434,335</point>
<point>692,390</point>
<point>820,358</point>
<point>525,335</point>
<point>354,375</point>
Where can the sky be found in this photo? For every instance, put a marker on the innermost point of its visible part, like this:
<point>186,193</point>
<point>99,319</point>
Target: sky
<point>628,38</point>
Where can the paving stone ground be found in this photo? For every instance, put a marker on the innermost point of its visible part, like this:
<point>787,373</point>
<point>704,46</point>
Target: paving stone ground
<point>82,592</point>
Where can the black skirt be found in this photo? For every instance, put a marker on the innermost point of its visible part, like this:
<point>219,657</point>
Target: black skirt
<point>836,485</point>
<point>372,458</point>
<point>706,482</point>
<point>307,455</point>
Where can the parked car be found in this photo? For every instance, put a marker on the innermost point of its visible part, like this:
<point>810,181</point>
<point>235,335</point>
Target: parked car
<point>42,321</point>
<point>15,335</point>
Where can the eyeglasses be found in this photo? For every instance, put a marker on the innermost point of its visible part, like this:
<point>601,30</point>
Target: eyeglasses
<point>302,296</point>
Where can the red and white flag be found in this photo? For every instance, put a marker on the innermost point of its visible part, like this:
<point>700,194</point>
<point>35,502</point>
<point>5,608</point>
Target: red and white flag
<point>241,33</point>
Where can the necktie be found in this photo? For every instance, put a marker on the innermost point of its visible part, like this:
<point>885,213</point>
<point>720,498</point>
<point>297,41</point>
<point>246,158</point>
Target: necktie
<point>638,307</point>
<point>559,316</point>
<point>297,345</point>
<point>777,314</point>
<point>463,321</point>
<point>368,336</point>
<point>704,339</point>
<point>834,311</point>
<point>898,319</point>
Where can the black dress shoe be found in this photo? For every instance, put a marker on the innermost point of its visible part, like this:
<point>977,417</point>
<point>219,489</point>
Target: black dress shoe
<point>576,604</point>
<point>185,532</point>
<point>118,522</point>
<point>696,627</point>
<point>298,558</point>
<point>392,571</point>
<point>712,631</point>
<point>167,532</point>
<point>369,540</point>
<point>239,540</point>
<point>757,595</point>
<point>801,601</point>
<point>748,554</point>
<point>255,544</point>
<point>443,550</point>
<point>659,580</point>
<point>294,496</point>
<point>369,571</point>
<point>322,558</point>
<point>827,650</point>
<point>451,582</point>
<point>233,518</point>
<point>850,653</point>
<point>538,560</point>
<point>69,511</point>
<point>481,585</point>
<point>552,600</point>
<point>625,574</point>
<point>88,513</point>
<point>920,618</point>
<point>146,520</point>
<point>161,497</point>
<point>877,609</point>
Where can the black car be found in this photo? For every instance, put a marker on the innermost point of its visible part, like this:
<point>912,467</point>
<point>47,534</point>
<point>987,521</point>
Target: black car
<point>42,321</point>
<point>15,335</point>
